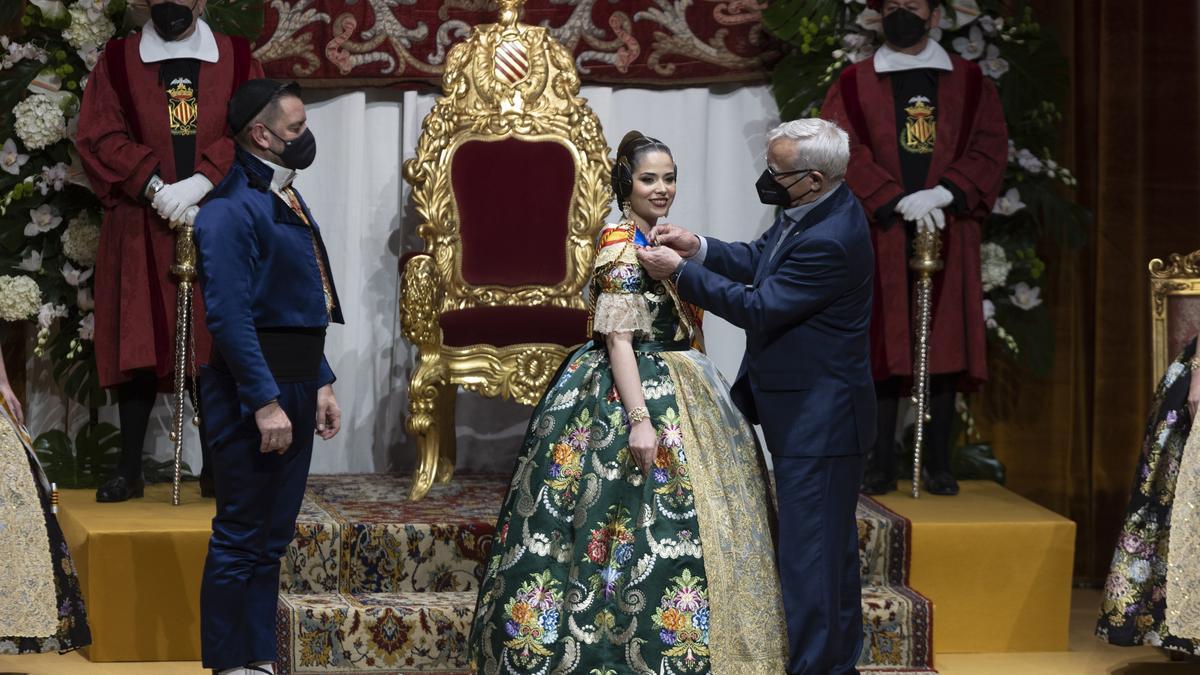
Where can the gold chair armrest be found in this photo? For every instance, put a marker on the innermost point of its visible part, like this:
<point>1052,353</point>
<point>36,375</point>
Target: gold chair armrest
<point>420,296</point>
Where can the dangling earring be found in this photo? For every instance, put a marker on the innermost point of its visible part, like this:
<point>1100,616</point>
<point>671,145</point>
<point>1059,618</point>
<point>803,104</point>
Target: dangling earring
<point>627,211</point>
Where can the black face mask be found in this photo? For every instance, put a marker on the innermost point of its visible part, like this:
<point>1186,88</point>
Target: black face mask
<point>171,20</point>
<point>903,29</point>
<point>299,152</point>
<point>770,192</point>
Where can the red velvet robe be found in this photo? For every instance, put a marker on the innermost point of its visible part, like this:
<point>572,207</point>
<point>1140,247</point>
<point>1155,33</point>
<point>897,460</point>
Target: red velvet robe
<point>957,340</point>
<point>134,288</point>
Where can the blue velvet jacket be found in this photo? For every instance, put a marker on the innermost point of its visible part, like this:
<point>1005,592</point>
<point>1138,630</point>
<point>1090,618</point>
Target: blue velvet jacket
<point>806,375</point>
<point>257,270</point>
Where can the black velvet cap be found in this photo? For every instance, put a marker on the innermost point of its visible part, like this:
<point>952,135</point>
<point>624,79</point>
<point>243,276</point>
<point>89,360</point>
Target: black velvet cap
<point>252,97</point>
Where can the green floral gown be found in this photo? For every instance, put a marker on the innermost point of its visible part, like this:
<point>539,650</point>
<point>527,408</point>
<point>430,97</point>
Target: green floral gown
<point>599,570</point>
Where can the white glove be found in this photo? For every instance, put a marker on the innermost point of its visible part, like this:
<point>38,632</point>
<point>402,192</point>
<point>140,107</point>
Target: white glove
<point>935,219</point>
<point>174,199</point>
<point>189,217</point>
<point>917,206</point>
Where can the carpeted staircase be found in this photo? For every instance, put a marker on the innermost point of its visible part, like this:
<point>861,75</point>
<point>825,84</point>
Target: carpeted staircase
<point>374,583</point>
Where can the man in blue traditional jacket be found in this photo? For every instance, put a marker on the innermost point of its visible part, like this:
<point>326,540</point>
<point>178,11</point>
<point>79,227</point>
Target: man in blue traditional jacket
<point>268,388</point>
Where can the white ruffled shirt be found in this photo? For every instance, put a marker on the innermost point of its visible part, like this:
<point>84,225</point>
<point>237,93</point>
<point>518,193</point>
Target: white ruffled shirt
<point>888,60</point>
<point>201,44</point>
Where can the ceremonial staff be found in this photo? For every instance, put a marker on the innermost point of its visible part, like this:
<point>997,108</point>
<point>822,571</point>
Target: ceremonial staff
<point>184,270</point>
<point>926,261</point>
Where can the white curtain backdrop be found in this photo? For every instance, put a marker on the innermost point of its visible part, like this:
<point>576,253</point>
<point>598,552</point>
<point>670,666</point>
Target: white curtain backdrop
<point>358,195</point>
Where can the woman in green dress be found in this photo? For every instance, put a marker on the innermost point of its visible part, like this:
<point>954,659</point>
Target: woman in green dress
<point>636,534</point>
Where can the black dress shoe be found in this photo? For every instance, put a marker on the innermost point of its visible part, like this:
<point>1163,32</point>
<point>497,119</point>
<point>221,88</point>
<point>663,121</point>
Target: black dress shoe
<point>207,489</point>
<point>941,483</point>
<point>877,482</point>
<point>119,489</point>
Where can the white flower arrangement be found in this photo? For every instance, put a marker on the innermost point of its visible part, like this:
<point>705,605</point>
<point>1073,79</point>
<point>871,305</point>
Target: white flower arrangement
<point>11,160</point>
<point>20,298</point>
<point>87,326</point>
<point>32,262</point>
<point>75,277</point>
<point>15,52</point>
<point>81,239</point>
<point>994,265</point>
<point>1008,203</point>
<point>83,299</point>
<point>40,122</point>
<point>51,9</point>
<point>41,220</point>
<point>88,28</point>
<point>49,313</point>
<point>1025,296</point>
<point>53,178</point>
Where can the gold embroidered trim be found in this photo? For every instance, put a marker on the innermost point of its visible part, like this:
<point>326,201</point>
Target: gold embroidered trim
<point>27,584</point>
<point>747,630</point>
<point>1183,552</point>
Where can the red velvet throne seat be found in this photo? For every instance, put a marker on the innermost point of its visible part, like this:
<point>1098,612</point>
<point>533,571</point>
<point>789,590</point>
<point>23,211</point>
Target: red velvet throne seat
<point>510,180</point>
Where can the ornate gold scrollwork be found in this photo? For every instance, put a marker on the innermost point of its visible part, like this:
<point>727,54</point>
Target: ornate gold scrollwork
<point>1179,275</point>
<point>508,80</point>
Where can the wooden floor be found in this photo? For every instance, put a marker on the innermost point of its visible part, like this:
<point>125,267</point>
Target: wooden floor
<point>1087,656</point>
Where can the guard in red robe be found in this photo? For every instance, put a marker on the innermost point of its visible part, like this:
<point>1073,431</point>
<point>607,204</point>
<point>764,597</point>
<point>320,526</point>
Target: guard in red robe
<point>929,148</point>
<point>153,140</point>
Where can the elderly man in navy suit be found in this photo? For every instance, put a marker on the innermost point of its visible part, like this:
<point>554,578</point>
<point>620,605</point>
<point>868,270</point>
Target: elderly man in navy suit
<point>802,293</point>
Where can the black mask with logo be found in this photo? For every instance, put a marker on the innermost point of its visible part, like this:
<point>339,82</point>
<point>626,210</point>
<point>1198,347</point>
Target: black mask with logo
<point>171,20</point>
<point>299,152</point>
<point>771,193</point>
<point>903,29</point>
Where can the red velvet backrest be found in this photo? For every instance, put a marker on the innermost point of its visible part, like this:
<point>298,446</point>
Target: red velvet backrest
<point>514,199</point>
<point>1183,322</point>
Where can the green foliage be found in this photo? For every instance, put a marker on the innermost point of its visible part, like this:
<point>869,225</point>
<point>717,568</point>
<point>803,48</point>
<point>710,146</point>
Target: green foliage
<point>91,459</point>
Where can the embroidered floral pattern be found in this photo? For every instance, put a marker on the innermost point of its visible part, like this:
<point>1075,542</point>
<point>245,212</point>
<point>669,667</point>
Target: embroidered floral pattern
<point>1133,611</point>
<point>682,616</point>
<point>533,616</point>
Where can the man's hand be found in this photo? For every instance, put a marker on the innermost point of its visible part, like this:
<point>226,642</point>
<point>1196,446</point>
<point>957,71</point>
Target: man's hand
<point>275,428</point>
<point>916,206</point>
<point>659,261</point>
<point>173,200</point>
<point>189,218</point>
<point>329,415</point>
<point>676,238</point>
<point>934,220</point>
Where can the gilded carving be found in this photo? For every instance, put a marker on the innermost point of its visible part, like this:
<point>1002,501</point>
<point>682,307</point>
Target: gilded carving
<point>506,80</point>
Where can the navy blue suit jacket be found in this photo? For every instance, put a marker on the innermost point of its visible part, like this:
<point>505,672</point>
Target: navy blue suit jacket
<point>806,375</point>
<point>258,270</point>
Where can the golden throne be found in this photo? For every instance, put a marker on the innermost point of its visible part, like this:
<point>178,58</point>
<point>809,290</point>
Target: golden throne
<point>510,179</point>
<point>1174,306</point>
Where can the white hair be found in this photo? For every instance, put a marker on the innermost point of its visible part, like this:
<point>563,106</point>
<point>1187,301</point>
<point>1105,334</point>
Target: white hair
<point>820,145</point>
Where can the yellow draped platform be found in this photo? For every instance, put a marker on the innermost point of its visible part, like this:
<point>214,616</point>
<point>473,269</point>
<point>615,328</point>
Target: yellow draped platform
<point>996,566</point>
<point>139,565</point>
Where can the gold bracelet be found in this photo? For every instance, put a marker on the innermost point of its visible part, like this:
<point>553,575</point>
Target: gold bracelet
<point>1194,362</point>
<point>638,414</point>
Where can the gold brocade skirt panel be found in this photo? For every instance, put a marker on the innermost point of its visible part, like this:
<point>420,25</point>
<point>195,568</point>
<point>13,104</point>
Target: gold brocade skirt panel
<point>748,634</point>
<point>28,579</point>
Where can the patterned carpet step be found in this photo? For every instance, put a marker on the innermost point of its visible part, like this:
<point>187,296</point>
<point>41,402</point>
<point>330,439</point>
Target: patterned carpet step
<point>897,630</point>
<point>374,632</point>
<point>374,583</point>
<point>427,632</point>
<point>360,534</point>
